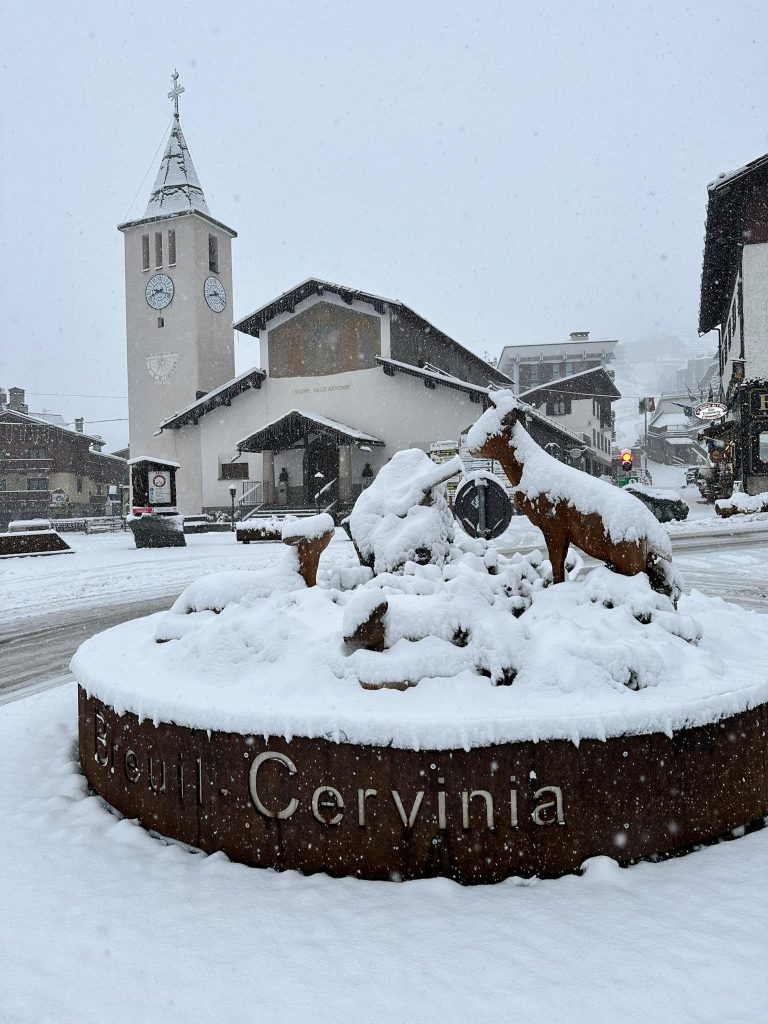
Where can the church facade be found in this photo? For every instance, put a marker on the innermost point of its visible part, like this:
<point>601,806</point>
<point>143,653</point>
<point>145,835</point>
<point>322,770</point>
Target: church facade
<point>347,378</point>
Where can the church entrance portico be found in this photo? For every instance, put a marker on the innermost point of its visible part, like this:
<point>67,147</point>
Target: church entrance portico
<point>321,471</point>
<point>307,462</point>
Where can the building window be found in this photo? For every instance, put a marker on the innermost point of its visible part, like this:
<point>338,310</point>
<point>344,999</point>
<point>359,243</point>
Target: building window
<point>234,471</point>
<point>560,408</point>
<point>79,486</point>
<point>161,321</point>
<point>37,483</point>
<point>158,248</point>
<point>3,485</point>
<point>145,252</point>
<point>171,247</point>
<point>36,453</point>
<point>98,489</point>
<point>213,254</point>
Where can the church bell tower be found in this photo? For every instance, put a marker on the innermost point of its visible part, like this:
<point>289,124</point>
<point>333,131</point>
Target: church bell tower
<point>178,302</point>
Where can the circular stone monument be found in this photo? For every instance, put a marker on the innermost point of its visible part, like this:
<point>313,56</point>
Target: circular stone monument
<point>437,710</point>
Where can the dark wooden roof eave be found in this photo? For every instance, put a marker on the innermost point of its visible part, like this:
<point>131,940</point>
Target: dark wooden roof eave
<point>724,241</point>
<point>432,379</point>
<point>219,397</point>
<point>569,386</point>
<point>294,426</point>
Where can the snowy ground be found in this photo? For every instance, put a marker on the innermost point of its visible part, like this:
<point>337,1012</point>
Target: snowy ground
<point>108,569</point>
<point>102,922</point>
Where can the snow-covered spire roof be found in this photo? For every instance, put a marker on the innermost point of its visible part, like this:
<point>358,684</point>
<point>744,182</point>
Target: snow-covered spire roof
<point>177,188</point>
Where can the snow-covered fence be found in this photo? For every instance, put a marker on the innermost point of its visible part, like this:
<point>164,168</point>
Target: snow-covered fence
<point>89,524</point>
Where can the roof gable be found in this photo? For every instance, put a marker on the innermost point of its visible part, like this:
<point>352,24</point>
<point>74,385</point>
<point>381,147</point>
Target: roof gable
<point>473,365</point>
<point>737,214</point>
<point>594,383</point>
<point>12,415</point>
<point>177,187</point>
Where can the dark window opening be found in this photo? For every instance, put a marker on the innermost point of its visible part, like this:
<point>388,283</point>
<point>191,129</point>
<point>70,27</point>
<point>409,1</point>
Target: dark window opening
<point>161,321</point>
<point>559,408</point>
<point>79,486</point>
<point>36,453</point>
<point>37,484</point>
<point>171,247</point>
<point>3,485</point>
<point>234,471</point>
<point>145,252</point>
<point>158,248</point>
<point>213,254</point>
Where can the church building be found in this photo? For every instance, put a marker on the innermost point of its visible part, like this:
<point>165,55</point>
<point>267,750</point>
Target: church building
<point>347,378</point>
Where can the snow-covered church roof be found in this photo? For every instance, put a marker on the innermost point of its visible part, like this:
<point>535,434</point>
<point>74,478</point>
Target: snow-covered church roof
<point>177,188</point>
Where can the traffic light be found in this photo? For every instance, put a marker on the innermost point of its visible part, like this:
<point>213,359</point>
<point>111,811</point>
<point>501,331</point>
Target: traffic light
<point>626,459</point>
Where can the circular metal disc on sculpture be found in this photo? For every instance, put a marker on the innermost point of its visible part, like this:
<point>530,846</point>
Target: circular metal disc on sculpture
<point>478,815</point>
<point>482,506</point>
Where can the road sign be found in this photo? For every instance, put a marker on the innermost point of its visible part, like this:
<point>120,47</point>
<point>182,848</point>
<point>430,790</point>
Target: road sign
<point>159,488</point>
<point>482,506</point>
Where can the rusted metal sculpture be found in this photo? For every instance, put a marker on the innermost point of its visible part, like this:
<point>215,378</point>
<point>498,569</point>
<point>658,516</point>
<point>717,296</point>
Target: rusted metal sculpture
<point>310,537</point>
<point>563,524</point>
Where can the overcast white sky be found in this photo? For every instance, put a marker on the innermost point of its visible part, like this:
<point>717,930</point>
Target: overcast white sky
<point>511,171</point>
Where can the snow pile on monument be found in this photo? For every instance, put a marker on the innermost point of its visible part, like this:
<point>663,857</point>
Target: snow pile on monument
<point>403,516</point>
<point>485,648</point>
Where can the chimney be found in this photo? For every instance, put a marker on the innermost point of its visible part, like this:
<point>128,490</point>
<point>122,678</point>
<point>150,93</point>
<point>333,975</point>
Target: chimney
<point>16,401</point>
<point>579,335</point>
<point>3,398</point>
<point>79,424</point>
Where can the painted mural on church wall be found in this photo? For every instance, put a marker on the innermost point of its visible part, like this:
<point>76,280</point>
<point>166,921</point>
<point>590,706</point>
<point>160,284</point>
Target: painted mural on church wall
<point>324,339</point>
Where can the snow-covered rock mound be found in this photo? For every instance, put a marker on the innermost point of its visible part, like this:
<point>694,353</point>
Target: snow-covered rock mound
<point>404,516</point>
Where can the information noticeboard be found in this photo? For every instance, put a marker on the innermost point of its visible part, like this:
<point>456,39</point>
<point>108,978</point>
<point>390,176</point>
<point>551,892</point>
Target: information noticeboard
<point>160,488</point>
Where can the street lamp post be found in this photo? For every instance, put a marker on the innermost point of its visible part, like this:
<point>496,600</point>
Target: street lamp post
<point>232,493</point>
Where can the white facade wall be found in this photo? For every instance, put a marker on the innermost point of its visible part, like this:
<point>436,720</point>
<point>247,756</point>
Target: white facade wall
<point>399,410</point>
<point>755,286</point>
<point>583,421</point>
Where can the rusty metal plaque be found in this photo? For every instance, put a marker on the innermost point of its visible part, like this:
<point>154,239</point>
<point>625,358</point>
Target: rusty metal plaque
<point>382,813</point>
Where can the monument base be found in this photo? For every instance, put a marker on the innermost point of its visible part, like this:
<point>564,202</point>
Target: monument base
<point>475,816</point>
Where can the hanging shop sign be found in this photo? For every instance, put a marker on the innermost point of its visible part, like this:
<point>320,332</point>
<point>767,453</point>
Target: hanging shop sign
<point>710,411</point>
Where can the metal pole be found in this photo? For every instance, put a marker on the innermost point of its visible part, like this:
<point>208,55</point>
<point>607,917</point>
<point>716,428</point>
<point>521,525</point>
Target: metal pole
<point>645,443</point>
<point>481,523</point>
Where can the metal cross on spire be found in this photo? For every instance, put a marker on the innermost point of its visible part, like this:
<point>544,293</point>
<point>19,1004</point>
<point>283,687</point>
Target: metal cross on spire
<point>175,92</point>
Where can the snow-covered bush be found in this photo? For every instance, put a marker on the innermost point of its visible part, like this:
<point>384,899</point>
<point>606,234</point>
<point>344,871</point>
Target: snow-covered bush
<point>404,516</point>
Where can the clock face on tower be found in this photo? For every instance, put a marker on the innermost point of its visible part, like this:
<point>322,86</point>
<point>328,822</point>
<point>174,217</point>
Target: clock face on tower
<point>215,294</point>
<point>159,291</point>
